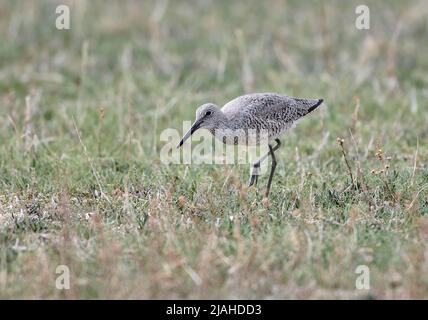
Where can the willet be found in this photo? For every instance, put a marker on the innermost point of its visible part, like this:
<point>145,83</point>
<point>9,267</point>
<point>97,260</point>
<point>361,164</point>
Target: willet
<point>268,112</point>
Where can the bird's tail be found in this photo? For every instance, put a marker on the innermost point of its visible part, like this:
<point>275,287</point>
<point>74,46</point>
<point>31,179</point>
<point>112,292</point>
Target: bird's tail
<point>306,106</point>
<point>315,104</point>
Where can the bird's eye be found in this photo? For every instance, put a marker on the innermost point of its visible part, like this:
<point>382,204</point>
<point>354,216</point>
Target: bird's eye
<point>208,113</point>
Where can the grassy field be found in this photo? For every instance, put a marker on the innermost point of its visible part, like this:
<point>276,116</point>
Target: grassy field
<point>82,183</point>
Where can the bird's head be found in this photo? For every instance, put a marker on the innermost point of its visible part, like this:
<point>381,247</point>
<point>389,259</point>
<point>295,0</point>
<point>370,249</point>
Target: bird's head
<point>208,116</point>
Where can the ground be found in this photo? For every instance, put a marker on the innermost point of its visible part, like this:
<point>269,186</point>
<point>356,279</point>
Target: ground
<point>82,183</point>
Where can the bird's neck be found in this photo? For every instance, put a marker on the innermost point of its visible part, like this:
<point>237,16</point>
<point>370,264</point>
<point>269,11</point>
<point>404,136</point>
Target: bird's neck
<point>222,123</point>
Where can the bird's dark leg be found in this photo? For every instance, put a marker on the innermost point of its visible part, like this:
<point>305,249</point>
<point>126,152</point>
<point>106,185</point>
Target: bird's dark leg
<point>255,174</point>
<point>272,170</point>
<point>256,166</point>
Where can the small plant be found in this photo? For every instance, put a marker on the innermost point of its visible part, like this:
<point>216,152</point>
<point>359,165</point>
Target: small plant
<point>382,173</point>
<point>341,142</point>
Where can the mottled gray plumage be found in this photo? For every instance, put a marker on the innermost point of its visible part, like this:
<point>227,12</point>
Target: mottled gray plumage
<point>267,111</point>
<point>242,120</point>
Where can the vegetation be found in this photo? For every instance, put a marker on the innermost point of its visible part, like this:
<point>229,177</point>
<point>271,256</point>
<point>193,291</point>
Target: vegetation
<point>82,183</point>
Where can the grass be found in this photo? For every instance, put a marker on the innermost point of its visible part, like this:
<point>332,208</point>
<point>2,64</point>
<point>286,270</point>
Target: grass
<point>82,184</point>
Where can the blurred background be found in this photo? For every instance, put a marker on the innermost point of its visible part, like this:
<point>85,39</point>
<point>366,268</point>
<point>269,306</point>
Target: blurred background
<point>81,182</point>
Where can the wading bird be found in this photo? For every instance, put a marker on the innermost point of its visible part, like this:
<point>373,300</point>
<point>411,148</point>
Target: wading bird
<point>268,112</point>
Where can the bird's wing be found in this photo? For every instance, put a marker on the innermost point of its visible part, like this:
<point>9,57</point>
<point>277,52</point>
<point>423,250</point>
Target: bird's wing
<point>270,107</point>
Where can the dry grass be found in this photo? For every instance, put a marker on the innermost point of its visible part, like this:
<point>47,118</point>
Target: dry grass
<point>81,182</point>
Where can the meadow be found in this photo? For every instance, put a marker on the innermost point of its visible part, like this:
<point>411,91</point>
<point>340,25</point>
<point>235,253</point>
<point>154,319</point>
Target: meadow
<point>82,184</point>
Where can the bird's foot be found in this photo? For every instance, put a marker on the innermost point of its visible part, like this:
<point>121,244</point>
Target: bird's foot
<point>254,175</point>
<point>253,180</point>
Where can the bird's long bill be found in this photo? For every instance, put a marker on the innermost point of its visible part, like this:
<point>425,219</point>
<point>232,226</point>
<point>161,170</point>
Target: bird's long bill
<point>195,126</point>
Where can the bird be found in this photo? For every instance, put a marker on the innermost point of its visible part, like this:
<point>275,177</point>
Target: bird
<point>241,121</point>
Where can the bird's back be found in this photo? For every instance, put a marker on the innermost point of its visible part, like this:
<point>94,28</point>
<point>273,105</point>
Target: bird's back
<point>269,106</point>
<point>269,111</point>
